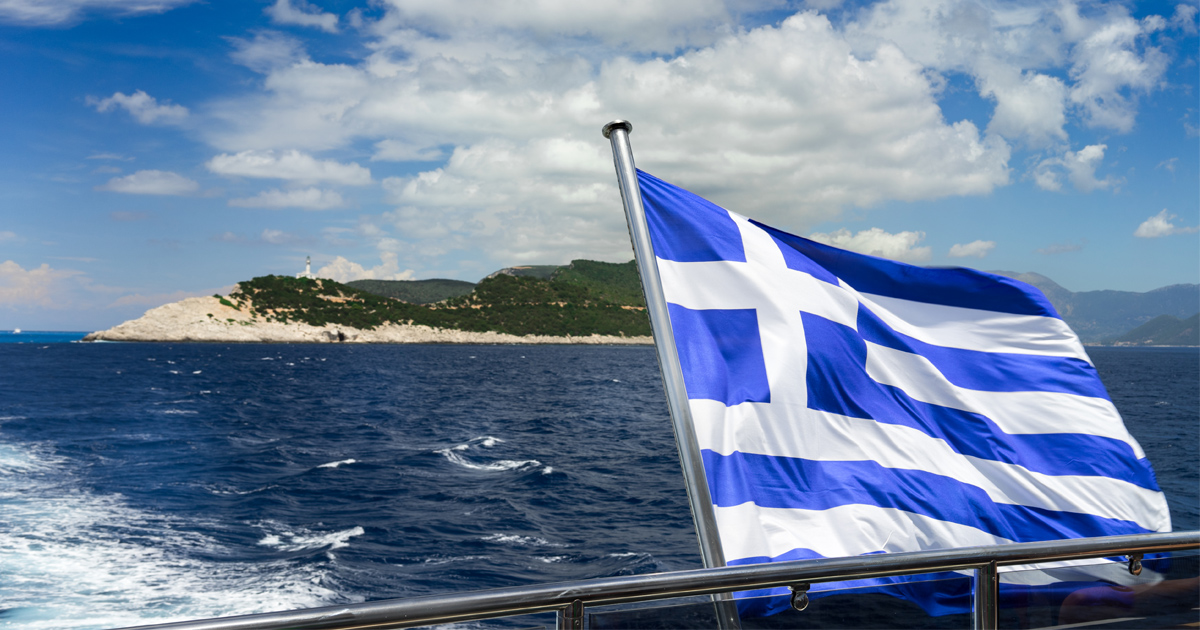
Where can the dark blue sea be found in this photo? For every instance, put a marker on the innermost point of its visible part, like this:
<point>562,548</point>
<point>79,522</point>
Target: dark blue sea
<point>143,483</point>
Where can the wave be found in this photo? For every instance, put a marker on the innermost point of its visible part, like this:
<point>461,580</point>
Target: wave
<point>338,463</point>
<point>487,441</point>
<point>501,465</point>
<point>515,539</point>
<point>306,540</point>
<point>73,559</point>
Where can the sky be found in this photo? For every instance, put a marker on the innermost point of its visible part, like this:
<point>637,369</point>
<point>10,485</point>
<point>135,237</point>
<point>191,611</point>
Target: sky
<point>160,149</point>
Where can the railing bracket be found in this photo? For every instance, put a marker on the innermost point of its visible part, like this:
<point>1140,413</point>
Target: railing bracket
<point>799,597</point>
<point>1135,564</point>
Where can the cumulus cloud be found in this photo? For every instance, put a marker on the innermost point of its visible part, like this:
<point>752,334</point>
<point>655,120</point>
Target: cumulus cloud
<point>290,165</point>
<point>790,123</point>
<point>306,198</point>
<point>974,249</point>
<point>343,270</point>
<point>52,12</point>
<point>143,107</point>
<point>152,183</point>
<point>1078,167</point>
<point>1160,225</point>
<point>901,246</point>
<point>1009,47</point>
<point>641,25</point>
<point>302,14</point>
<point>40,286</point>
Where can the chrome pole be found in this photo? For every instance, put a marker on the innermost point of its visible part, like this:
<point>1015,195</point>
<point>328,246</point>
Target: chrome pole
<point>703,516</point>
<point>986,614</point>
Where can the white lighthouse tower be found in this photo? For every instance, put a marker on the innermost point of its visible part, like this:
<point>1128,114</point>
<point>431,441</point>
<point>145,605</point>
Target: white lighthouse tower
<point>307,273</point>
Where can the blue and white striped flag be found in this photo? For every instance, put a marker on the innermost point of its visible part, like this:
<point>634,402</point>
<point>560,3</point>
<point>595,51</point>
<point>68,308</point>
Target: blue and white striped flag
<point>847,404</point>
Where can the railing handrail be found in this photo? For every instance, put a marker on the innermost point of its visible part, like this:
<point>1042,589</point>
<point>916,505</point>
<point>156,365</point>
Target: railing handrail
<point>517,600</point>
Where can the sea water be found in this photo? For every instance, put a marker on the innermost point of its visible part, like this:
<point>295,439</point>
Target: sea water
<point>144,483</point>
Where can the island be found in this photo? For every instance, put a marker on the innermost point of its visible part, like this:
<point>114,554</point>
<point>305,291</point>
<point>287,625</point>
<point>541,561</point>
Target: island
<point>585,302</point>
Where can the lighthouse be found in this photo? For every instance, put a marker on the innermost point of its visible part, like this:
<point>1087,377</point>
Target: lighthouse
<point>307,273</point>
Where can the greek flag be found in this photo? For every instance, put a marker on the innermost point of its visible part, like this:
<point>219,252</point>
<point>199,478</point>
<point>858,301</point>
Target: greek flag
<point>847,404</point>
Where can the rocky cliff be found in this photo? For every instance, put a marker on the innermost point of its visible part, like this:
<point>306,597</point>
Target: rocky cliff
<point>208,319</point>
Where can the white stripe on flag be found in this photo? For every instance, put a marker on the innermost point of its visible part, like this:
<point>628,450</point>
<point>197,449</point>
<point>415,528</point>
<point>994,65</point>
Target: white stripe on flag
<point>1015,413</point>
<point>847,530</point>
<point>972,329</point>
<point>822,436</point>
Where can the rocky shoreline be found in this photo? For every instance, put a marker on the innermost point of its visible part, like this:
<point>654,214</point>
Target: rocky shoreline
<point>206,319</point>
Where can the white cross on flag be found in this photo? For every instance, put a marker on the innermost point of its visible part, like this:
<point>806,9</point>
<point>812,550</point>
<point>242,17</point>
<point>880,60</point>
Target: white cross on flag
<point>846,404</point>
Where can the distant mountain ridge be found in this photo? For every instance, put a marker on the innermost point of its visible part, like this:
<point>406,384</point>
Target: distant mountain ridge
<point>1099,316</point>
<point>1164,330</point>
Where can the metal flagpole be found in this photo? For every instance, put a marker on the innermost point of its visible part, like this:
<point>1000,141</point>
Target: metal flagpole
<point>705,519</point>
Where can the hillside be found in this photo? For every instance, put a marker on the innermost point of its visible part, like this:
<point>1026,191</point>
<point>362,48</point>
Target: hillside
<point>1102,315</point>
<point>516,305</point>
<point>1164,330</point>
<point>415,291</point>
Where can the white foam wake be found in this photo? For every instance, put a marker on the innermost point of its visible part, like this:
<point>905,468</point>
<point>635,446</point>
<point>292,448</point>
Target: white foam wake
<point>73,559</point>
<point>338,463</point>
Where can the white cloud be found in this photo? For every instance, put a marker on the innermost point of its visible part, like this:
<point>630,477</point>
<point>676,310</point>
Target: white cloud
<point>642,25</point>
<point>1107,68</point>
<point>152,183</point>
<point>267,51</point>
<point>790,123</point>
<point>343,270</point>
<point>143,107</point>
<point>290,165</point>
<point>8,236</point>
<point>1160,225</point>
<point>41,286</point>
<point>398,151</point>
<point>1185,18</point>
<point>302,14</point>
<point>876,242</point>
<point>279,237</point>
<point>109,156</point>
<point>1079,167</point>
<point>306,198</point>
<point>51,12</point>
<point>974,249</point>
<point>1008,48</point>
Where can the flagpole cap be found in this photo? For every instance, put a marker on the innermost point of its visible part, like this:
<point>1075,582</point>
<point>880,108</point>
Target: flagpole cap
<point>617,124</point>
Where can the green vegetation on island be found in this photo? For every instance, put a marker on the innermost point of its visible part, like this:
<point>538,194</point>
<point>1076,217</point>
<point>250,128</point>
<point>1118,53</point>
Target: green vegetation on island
<point>590,298</point>
<point>415,291</point>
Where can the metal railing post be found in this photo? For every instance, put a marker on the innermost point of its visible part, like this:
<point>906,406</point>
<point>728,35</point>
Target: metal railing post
<point>570,617</point>
<point>986,615</point>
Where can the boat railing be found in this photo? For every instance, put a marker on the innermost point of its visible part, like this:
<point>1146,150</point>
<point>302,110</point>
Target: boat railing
<point>570,599</point>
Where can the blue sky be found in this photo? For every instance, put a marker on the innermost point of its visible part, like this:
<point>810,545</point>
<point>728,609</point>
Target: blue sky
<point>159,149</point>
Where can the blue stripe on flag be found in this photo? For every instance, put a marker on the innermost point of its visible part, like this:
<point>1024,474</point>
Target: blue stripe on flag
<point>788,482</point>
<point>687,228</point>
<point>838,383</point>
<point>965,288</point>
<point>721,354</point>
<point>990,371</point>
